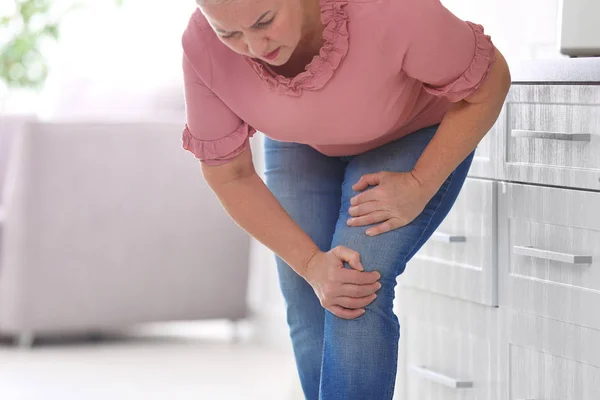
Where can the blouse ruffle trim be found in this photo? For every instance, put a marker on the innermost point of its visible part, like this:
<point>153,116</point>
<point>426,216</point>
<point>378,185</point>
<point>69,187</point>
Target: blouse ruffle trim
<point>220,150</point>
<point>320,70</point>
<point>470,81</point>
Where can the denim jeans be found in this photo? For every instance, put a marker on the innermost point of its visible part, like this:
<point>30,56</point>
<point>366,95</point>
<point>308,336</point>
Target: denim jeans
<point>340,359</point>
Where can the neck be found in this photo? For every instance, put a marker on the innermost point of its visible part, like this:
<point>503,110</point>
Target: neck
<point>312,29</point>
<point>310,44</point>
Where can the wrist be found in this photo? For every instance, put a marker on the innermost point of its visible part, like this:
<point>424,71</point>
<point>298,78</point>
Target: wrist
<point>309,256</point>
<point>427,187</point>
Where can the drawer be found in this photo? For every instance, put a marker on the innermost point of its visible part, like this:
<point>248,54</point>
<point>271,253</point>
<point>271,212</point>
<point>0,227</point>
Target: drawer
<point>459,260</point>
<point>548,359</point>
<point>549,256</point>
<point>552,135</point>
<point>448,348</point>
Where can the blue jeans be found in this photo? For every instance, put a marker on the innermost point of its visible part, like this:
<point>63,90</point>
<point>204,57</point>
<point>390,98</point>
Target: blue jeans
<point>336,358</point>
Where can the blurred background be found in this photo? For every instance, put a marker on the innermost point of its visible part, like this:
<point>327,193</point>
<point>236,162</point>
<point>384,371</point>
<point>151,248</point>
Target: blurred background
<point>121,276</point>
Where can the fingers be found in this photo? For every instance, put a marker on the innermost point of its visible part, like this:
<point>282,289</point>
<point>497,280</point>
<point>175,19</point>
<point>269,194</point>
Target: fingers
<point>356,275</point>
<point>353,302</point>
<point>372,218</point>
<point>367,180</point>
<point>346,313</point>
<point>350,290</point>
<point>358,278</point>
<point>365,208</point>
<point>386,226</point>
<point>349,256</point>
<point>360,185</point>
<point>349,307</point>
<point>368,195</point>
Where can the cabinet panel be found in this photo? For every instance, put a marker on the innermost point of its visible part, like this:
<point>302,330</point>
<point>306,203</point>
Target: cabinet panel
<point>448,348</point>
<point>549,359</point>
<point>552,135</point>
<point>532,249</point>
<point>538,375</point>
<point>459,260</point>
<point>549,259</point>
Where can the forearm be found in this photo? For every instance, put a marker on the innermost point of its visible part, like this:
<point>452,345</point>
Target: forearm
<point>254,208</point>
<point>462,128</point>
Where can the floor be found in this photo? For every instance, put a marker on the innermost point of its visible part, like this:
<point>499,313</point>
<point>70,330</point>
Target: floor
<point>174,362</point>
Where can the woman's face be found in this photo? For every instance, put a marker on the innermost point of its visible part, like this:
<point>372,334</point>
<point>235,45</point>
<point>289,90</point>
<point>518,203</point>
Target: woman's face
<point>268,30</point>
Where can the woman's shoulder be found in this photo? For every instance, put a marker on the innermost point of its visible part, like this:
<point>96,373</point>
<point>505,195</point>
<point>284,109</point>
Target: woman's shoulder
<point>201,46</point>
<point>193,43</point>
<point>195,31</point>
<point>380,4</point>
<point>357,1</point>
<point>385,22</point>
<point>382,14</point>
<point>389,9</point>
<point>199,20</point>
<point>192,39</point>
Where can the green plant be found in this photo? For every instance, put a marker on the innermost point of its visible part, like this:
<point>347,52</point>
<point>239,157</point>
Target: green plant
<point>33,22</point>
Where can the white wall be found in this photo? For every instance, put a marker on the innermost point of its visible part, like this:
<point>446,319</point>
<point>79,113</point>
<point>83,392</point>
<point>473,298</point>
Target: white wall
<point>111,61</point>
<point>119,61</point>
<point>521,29</point>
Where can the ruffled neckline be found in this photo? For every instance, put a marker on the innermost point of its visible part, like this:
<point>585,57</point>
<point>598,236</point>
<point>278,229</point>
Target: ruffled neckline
<point>323,65</point>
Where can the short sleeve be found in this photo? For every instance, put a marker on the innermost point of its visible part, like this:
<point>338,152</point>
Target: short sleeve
<point>450,56</point>
<point>213,133</point>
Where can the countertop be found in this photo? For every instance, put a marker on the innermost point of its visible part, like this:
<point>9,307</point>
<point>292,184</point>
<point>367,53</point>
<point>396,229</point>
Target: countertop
<point>584,70</point>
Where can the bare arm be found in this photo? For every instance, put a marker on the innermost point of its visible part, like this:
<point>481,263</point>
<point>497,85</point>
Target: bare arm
<point>462,128</point>
<point>253,207</point>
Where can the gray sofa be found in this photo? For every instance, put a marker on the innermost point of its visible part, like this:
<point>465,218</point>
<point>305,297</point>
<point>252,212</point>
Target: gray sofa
<point>107,225</point>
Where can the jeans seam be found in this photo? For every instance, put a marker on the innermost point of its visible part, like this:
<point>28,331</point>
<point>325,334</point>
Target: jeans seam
<point>431,219</point>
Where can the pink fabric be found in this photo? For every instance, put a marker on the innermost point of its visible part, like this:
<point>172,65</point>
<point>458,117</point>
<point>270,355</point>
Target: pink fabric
<point>387,68</point>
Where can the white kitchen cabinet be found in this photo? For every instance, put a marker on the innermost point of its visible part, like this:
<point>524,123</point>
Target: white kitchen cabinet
<point>449,348</point>
<point>459,260</point>
<point>504,301</point>
<point>550,252</point>
<point>549,359</point>
<point>551,135</point>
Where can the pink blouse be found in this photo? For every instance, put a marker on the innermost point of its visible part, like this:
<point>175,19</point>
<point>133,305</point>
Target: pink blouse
<point>387,68</point>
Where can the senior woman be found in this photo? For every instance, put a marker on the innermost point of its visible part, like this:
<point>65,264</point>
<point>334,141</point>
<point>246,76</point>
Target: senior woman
<point>372,111</point>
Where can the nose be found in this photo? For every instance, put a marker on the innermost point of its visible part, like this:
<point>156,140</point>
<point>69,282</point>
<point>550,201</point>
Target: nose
<point>257,44</point>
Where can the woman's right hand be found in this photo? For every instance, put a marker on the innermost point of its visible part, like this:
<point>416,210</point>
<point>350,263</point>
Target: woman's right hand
<point>343,291</point>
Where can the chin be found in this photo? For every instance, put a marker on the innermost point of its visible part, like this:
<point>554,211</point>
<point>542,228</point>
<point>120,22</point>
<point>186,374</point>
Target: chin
<point>283,58</point>
<point>275,63</point>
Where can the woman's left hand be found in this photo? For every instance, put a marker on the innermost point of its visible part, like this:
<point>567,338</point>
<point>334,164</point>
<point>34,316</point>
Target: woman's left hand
<point>396,199</point>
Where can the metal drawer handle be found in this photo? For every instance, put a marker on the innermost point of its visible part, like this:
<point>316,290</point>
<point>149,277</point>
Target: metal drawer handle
<point>551,255</point>
<point>440,378</point>
<point>447,238</point>
<point>573,137</point>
